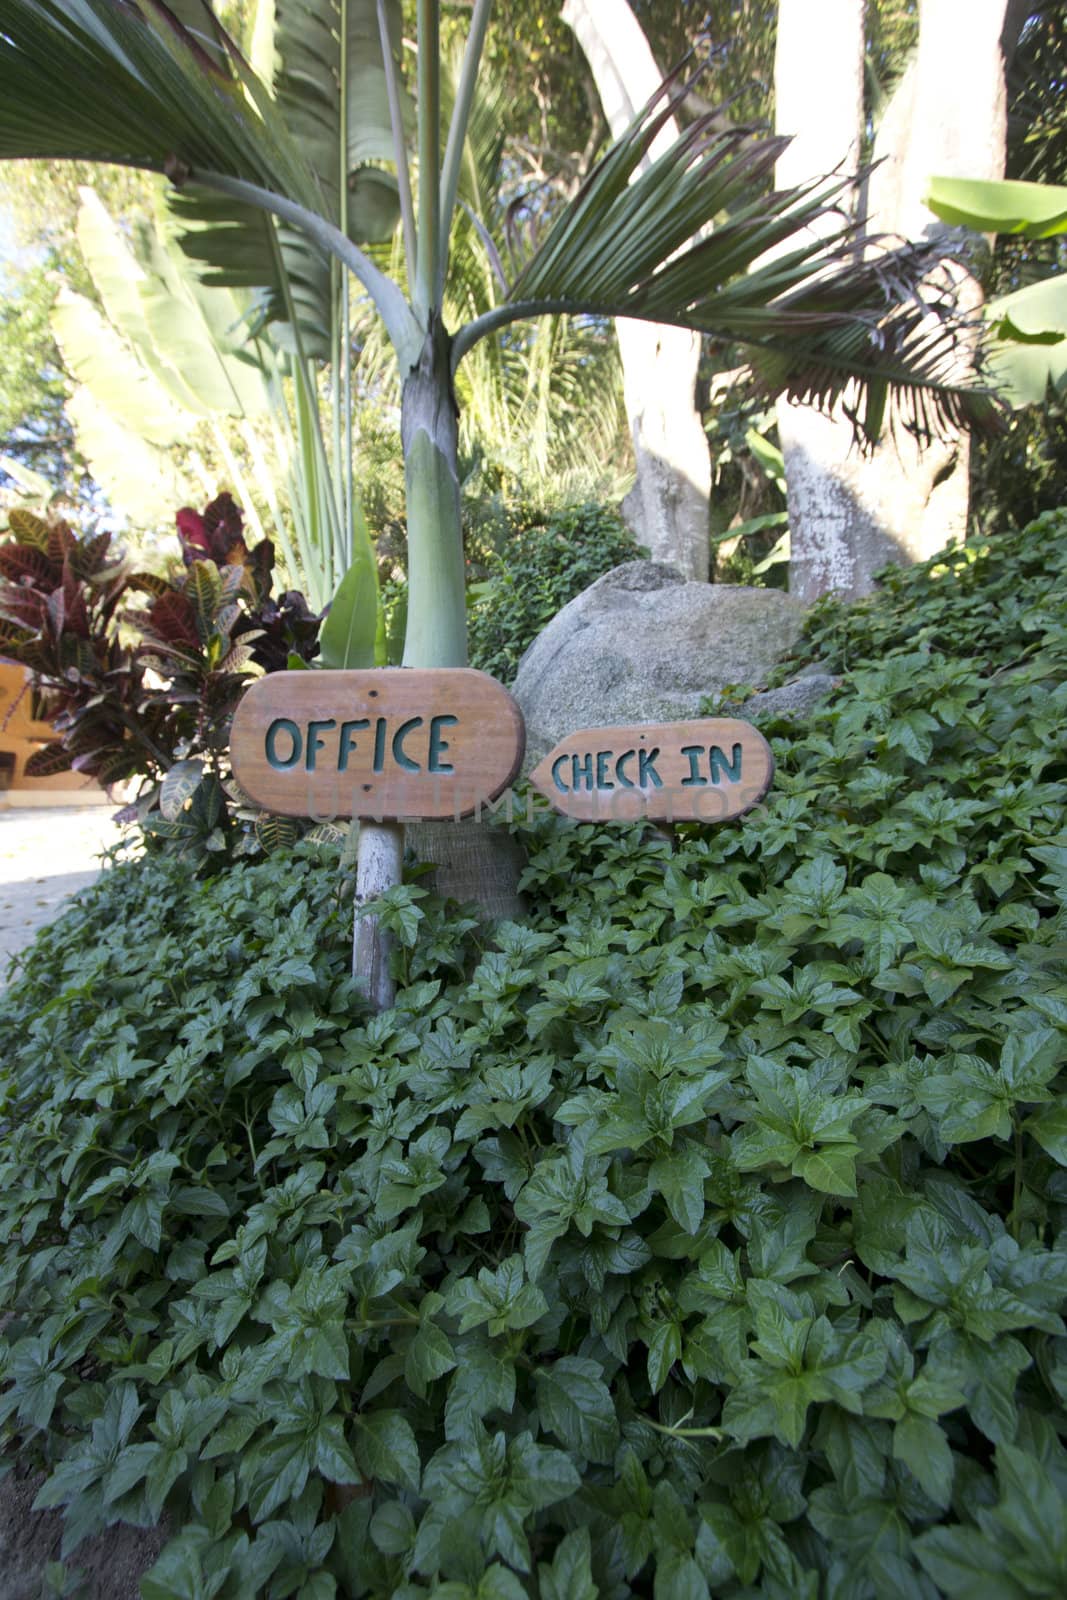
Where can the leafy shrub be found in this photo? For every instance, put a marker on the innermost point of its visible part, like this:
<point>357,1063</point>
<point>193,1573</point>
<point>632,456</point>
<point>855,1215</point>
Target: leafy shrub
<point>159,708</point>
<point>704,1236</point>
<point>534,574</point>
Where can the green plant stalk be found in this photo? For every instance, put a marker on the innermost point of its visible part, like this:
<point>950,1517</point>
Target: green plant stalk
<point>437,615</point>
<point>400,155</point>
<point>457,133</point>
<point>334,549</point>
<point>427,271</point>
<point>286,448</point>
<point>348,480</point>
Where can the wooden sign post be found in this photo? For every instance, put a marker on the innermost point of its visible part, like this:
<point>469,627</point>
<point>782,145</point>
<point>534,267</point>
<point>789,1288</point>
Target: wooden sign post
<point>397,744</point>
<point>704,771</point>
<point>394,744</point>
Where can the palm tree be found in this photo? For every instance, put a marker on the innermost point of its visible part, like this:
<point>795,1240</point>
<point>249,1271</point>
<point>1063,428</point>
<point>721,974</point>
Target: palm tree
<point>286,182</point>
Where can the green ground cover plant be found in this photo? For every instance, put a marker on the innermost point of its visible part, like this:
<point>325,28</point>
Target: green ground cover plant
<point>702,1236</point>
<point>541,563</point>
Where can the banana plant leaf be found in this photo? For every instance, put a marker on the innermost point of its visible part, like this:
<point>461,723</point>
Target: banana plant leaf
<point>1034,210</point>
<point>187,340</point>
<point>1031,346</point>
<point>311,50</point>
<point>99,360</point>
<point>1029,350</point>
<point>134,474</point>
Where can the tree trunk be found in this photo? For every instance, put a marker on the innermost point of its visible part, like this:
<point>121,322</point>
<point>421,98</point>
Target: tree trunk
<point>473,862</point>
<point>668,506</point>
<point>849,516</point>
<point>818,86</point>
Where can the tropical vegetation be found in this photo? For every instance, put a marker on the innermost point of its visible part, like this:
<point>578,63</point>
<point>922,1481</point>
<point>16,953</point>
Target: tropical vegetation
<point>166,89</point>
<point>140,674</point>
<point>702,1235</point>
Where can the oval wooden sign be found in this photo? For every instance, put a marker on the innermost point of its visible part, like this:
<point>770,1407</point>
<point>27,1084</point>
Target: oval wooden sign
<point>394,743</point>
<point>704,771</point>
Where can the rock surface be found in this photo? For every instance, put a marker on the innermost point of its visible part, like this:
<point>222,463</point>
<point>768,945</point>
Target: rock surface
<point>798,698</point>
<point>643,645</point>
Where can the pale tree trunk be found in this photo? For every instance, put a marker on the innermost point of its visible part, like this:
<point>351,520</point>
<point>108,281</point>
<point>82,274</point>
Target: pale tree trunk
<point>668,506</point>
<point>818,87</point>
<point>849,516</point>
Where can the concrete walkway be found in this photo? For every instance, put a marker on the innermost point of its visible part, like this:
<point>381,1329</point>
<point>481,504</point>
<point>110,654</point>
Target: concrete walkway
<point>46,855</point>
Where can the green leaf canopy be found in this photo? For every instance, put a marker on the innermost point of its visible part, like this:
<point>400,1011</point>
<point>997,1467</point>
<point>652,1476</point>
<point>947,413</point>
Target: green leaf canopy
<point>138,84</point>
<point>692,241</point>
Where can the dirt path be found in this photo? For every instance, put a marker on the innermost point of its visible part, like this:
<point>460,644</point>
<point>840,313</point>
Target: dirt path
<point>46,856</point>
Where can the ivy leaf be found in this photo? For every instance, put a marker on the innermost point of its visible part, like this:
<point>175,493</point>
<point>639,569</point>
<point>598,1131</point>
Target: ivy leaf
<point>831,1170</point>
<point>924,1449</point>
<point>570,1575</point>
<point>386,1448</point>
<point>664,1349</point>
<point>576,1405</point>
<point>679,1178</point>
<point>483,1382</point>
<point>1049,1127</point>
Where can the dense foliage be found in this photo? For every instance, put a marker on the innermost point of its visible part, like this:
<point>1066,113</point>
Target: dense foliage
<point>703,1236</point>
<point>540,565</point>
<point>140,674</point>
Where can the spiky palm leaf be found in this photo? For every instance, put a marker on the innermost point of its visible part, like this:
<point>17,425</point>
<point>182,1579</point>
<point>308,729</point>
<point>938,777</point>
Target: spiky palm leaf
<point>135,83</point>
<point>150,92</point>
<point>816,318</point>
<point>100,80</point>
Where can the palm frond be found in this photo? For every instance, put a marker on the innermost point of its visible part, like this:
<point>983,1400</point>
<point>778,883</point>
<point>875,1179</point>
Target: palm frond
<point>817,317</point>
<point>129,84</point>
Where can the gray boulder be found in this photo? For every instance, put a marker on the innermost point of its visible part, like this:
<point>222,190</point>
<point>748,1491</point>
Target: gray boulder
<point>797,698</point>
<point>643,645</point>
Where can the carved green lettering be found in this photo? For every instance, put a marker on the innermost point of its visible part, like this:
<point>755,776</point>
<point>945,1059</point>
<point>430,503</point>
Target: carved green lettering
<point>693,753</point>
<point>719,764</point>
<point>347,743</point>
<point>581,772</point>
<point>646,771</point>
<point>625,782</point>
<point>602,779</point>
<point>379,745</point>
<point>315,742</point>
<point>438,745</point>
<point>556,778</point>
<point>399,736</point>
<point>288,726</point>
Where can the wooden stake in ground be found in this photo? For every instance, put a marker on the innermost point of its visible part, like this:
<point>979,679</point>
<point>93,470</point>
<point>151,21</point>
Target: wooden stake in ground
<point>381,862</point>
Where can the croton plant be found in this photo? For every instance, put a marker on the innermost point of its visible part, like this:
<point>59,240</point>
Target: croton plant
<point>140,674</point>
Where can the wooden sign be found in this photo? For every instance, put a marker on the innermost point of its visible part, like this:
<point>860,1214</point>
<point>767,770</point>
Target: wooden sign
<point>390,744</point>
<point>706,771</point>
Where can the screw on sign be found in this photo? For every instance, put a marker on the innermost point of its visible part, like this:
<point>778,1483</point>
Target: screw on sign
<point>703,771</point>
<point>389,744</point>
